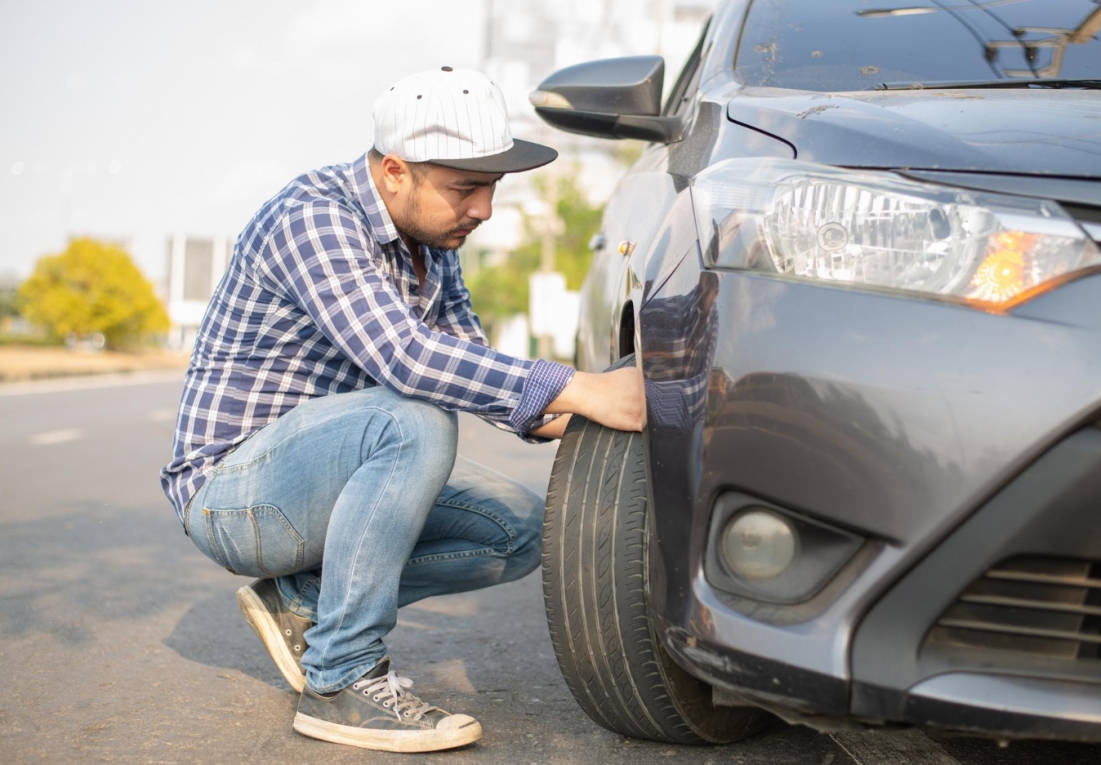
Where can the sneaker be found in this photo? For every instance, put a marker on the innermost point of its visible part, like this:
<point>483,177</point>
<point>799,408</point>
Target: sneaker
<point>280,630</point>
<point>379,712</point>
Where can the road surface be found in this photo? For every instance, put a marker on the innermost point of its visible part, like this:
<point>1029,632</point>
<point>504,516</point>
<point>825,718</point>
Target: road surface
<point>120,642</point>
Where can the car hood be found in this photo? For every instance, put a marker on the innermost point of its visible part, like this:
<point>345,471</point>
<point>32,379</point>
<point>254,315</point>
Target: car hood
<point>1031,131</point>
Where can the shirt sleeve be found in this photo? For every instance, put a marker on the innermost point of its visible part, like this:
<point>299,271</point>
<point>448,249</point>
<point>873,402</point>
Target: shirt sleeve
<point>319,257</point>
<point>456,316</point>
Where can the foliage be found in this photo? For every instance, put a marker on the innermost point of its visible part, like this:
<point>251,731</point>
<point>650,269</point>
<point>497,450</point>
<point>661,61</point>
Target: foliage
<point>24,341</point>
<point>501,291</point>
<point>628,152</point>
<point>8,289</point>
<point>92,287</point>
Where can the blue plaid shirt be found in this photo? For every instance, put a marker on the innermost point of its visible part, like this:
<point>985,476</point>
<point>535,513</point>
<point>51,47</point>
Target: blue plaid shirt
<point>320,297</point>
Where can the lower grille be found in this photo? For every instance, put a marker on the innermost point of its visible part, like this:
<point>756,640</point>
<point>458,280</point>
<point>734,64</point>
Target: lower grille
<point>1041,607</point>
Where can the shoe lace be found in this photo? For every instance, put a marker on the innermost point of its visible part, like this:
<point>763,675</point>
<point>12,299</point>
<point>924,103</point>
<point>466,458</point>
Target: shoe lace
<point>396,687</point>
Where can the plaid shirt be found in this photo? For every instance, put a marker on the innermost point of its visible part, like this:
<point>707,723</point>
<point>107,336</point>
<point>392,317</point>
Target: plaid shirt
<point>320,297</point>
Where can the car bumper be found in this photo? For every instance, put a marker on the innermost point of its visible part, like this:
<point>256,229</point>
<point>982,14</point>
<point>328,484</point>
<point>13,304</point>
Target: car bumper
<point>902,420</point>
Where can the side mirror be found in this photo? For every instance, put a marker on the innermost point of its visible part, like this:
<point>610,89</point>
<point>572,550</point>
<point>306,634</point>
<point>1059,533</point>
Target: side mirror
<point>613,98</point>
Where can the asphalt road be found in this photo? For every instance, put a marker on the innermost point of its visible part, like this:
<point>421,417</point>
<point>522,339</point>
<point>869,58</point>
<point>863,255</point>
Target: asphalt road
<point>120,642</point>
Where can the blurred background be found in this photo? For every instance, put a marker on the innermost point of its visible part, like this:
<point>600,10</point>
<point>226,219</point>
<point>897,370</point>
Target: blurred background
<point>137,139</point>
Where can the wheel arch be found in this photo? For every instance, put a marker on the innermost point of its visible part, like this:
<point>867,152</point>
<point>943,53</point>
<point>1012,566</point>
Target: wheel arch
<point>625,344</point>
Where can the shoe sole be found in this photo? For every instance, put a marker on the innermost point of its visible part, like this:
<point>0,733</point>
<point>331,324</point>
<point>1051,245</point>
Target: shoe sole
<point>388,741</point>
<point>268,631</point>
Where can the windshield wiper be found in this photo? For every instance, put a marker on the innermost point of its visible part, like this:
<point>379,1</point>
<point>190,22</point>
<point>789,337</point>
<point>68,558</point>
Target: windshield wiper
<point>1039,82</point>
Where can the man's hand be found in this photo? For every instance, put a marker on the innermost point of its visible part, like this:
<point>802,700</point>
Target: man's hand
<point>614,399</point>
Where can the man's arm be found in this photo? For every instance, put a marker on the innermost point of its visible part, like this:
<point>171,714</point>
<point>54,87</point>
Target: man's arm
<point>320,257</point>
<point>615,399</point>
<point>553,429</point>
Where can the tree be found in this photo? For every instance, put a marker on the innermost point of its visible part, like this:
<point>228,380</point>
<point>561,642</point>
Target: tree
<point>501,291</point>
<point>92,287</point>
<point>8,287</point>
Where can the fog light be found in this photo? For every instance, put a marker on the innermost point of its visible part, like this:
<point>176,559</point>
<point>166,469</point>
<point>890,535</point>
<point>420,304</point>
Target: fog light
<point>758,545</point>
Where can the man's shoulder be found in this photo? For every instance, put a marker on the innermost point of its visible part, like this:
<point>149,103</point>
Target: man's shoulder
<point>326,187</point>
<point>324,195</point>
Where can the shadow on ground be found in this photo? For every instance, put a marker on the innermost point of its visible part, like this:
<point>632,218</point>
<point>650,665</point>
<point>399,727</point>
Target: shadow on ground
<point>92,567</point>
<point>214,633</point>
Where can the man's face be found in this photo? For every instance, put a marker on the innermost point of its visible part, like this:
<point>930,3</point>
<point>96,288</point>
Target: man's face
<point>440,206</point>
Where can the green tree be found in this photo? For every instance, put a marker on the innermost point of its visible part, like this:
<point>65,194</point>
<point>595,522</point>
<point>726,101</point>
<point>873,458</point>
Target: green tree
<point>501,291</point>
<point>92,287</point>
<point>8,306</point>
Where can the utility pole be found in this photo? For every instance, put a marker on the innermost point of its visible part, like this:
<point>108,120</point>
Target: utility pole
<point>546,255</point>
<point>487,44</point>
<point>659,17</point>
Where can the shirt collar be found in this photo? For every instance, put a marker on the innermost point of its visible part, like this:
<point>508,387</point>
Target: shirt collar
<point>382,225</point>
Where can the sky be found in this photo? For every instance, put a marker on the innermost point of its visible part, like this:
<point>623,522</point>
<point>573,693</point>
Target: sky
<point>132,121</point>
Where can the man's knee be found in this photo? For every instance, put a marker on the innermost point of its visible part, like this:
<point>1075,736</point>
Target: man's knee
<point>431,431</point>
<point>529,537</point>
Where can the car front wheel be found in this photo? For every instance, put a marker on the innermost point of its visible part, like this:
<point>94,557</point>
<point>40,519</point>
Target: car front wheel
<point>595,586</point>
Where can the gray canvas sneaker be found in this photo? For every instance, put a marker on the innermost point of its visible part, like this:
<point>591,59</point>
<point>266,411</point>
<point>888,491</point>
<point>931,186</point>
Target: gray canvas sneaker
<point>379,712</point>
<point>280,630</point>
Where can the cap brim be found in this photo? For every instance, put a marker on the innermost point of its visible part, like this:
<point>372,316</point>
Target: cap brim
<point>524,155</point>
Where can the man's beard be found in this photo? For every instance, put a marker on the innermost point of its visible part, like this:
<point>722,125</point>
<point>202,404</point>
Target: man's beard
<point>409,225</point>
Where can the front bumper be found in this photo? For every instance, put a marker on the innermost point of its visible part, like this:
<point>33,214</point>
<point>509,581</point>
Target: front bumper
<point>900,419</point>
<point>999,628</point>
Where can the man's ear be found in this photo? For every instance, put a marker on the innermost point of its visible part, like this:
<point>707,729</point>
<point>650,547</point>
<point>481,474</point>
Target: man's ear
<point>395,173</point>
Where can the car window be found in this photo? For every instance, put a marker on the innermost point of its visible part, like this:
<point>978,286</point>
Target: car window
<point>838,45</point>
<point>681,92</point>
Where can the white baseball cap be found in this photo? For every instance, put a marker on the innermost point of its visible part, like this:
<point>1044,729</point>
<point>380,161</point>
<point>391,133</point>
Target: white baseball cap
<point>455,118</point>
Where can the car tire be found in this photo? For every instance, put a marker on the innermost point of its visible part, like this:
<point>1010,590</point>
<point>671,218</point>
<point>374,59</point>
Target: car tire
<point>595,587</point>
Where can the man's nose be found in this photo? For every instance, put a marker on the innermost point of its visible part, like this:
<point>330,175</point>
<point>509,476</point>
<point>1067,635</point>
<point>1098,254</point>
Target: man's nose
<point>481,207</point>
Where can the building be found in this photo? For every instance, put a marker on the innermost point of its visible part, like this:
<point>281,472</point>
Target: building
<point>527,40</point>
<point>524,42</point>
<point>195,266</point>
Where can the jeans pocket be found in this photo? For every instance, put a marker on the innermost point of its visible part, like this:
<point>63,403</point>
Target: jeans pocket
<point>257,541</point>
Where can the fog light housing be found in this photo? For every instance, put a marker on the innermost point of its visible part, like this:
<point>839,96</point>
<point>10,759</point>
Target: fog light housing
<point>770,554</point>
<point>758,544</point>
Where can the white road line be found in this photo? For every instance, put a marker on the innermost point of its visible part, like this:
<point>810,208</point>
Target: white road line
<point>90,382</point>
<point>911,747</point>
<point>52,437</point>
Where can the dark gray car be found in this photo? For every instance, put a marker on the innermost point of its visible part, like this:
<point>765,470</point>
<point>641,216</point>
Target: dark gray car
<point>858,266</point>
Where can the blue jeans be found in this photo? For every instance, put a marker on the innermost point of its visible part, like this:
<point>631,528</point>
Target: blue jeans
<point>357,505</point>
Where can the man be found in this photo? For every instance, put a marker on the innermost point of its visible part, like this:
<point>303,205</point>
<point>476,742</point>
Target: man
<point>315,444</point>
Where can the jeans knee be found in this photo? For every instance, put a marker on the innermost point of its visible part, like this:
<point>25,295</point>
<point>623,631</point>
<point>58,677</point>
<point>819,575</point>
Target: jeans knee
<point>529,539</point>
<point>526,558</point>
<point>432,432</point>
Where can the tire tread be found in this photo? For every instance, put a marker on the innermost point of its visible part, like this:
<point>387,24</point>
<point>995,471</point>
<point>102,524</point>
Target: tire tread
<point>595,571</point>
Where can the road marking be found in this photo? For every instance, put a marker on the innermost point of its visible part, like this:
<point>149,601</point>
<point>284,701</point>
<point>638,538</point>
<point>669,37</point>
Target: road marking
<point>52,437</point>
<point>90,382</point>
<point>892,747</point>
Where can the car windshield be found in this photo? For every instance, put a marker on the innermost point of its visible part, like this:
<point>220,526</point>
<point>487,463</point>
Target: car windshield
<point>840,45</point>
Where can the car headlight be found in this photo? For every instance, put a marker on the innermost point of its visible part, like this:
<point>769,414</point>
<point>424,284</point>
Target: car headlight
<point>878,230</point>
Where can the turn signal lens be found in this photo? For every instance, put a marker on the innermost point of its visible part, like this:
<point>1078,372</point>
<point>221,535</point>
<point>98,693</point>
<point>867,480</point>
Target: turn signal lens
<point>759,545</point>
<point>1003,273</point>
